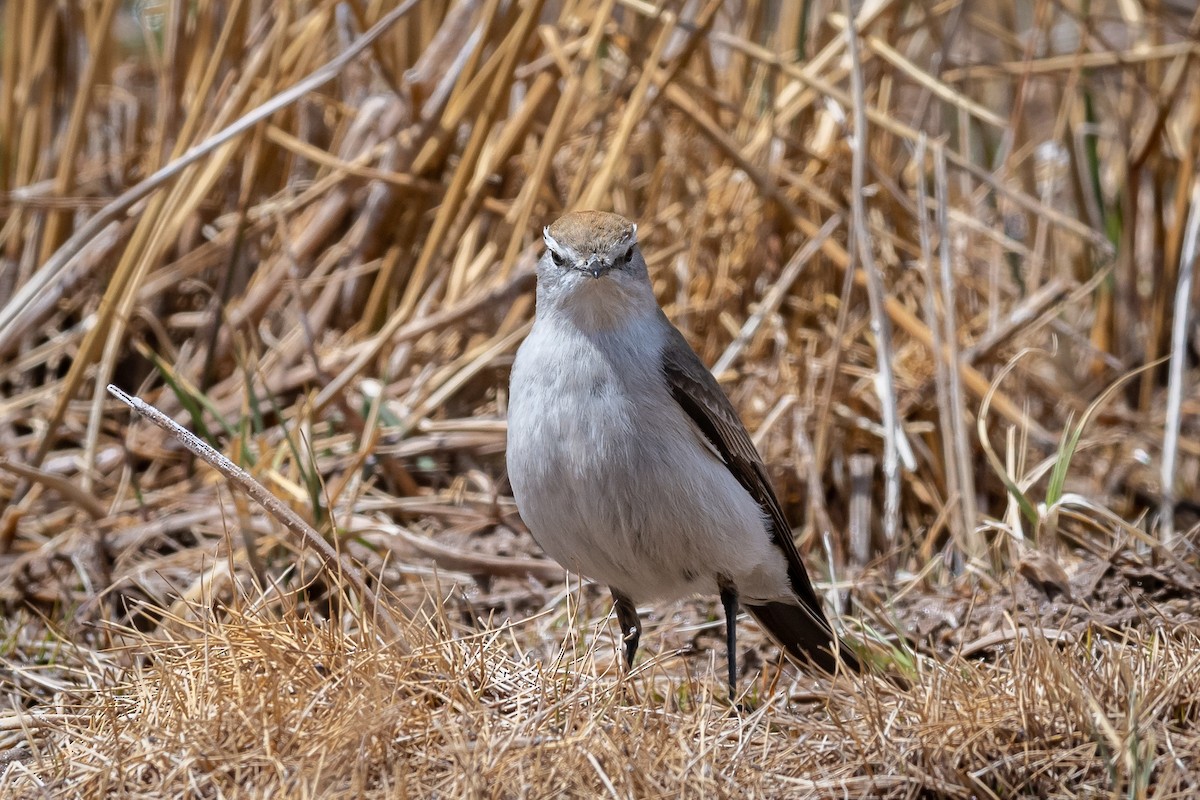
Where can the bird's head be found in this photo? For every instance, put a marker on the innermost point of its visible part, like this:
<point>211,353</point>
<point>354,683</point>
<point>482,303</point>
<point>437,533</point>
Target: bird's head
<point>592,266</point>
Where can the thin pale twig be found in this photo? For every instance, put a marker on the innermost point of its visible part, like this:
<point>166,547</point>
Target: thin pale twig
<point>334,561</point>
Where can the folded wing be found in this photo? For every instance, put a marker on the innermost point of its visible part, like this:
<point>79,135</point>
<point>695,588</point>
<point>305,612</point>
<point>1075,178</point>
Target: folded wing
<point>801,629</point>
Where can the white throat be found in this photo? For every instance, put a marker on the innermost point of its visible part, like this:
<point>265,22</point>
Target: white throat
<point>600,304</point>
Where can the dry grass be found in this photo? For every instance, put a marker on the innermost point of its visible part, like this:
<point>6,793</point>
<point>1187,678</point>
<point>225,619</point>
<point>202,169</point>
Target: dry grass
<point>314,249</point>
<point>247,703</point>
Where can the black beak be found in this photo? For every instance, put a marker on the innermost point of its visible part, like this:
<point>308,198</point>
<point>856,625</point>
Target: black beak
<point>595,266</point>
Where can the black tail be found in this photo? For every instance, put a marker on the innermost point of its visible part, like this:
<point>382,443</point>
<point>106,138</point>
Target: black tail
<point>803,636</point>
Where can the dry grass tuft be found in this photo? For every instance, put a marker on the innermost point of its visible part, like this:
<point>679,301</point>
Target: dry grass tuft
<point>246,702</point>
<point>305,231</point>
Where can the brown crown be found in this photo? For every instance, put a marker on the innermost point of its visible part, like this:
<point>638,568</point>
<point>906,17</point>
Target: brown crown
<point>591,231</point>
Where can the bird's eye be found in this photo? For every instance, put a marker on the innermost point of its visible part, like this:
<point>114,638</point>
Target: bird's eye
<point>556,258</point>
<point>628,256</point>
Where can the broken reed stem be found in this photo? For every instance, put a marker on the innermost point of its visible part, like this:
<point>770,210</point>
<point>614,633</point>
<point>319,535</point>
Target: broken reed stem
<point>941,366</point>
<point>1179,327</point>
<point>335,562</point>
<point>976,548</point>
<point>880,323</point>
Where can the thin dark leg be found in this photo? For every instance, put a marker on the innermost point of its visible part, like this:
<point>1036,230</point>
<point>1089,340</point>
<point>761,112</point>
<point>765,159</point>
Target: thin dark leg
<point>631,625</point>
<point>729,600</point>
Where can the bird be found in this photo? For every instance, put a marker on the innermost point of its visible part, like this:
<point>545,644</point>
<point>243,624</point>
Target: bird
<point>629,464</point>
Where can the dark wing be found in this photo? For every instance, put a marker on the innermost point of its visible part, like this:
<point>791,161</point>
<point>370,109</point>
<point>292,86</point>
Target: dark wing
<point>802,630</point>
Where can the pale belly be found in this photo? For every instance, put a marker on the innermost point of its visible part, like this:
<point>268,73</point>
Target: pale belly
<point>615,484</point>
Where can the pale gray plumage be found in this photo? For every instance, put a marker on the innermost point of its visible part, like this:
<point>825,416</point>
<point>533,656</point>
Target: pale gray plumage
<point>629,464</point>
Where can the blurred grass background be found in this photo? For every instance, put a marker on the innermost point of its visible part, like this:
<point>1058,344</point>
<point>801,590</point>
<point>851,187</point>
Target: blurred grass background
<point>942,268</point>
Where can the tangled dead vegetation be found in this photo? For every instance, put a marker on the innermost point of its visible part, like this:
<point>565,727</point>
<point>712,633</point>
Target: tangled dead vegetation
<point>238,700</point>
<point>966,343</point>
